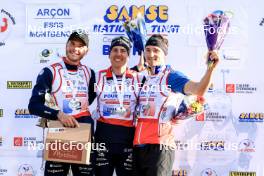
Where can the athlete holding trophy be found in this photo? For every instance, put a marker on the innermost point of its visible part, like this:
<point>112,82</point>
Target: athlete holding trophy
<point>158,108</point>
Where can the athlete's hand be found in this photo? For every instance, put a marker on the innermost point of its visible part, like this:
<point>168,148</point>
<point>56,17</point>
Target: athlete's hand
<point>67,120</point>
<point>141,63</point>
<point>214,59</point>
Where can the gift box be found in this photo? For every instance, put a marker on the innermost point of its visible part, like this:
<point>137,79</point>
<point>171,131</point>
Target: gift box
<point>69,145</point>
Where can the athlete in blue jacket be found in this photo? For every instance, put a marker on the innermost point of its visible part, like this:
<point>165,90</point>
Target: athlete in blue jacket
<point>63,92</point>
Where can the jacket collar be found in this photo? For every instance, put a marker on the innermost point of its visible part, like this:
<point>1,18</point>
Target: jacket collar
<point>109,73</point>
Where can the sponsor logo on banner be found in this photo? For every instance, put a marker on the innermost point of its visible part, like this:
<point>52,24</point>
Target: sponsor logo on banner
<point>45,55</point>
<point>231,55</point>
<point>19,84</point>
<point>31,141</point>
<point>211,116</point>
<point>180,172</point>
<point>214,116</point>
<point>51,22</point>
<point>49,54</point>
<point>26,141</point>
<point>230,88</point>
<point>18,141</point>
<point>1,112</point>
<point>246,145</point>
<point>232,58</point>
<point>208,172</point>
<point>156,18</point>
<point>3,171</point>
<point>240,88</point>
<point>261,22</point>
<point>213,145</point>
<point>7,21</point>
<point>237,173</point>
<point>24,113</point>
<point>251,117</point>
<point>26,170</point>
<point>200,117</point>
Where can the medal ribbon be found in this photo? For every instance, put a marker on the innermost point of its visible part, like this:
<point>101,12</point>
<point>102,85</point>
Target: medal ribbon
<point>120,89</point>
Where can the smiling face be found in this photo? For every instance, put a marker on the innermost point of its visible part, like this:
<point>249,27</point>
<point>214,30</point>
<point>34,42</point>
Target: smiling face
<point>75,51</point>
<point>154,56</point>
<point>118,57</point>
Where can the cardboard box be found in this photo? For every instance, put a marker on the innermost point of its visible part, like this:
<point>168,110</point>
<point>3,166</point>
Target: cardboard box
<point>69,145</point>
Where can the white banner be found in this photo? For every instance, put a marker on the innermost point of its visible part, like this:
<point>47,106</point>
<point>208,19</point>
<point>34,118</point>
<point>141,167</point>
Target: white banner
<point>226,141</point>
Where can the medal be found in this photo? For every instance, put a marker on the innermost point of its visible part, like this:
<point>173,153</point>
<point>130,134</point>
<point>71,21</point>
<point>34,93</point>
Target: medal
<point>75,104</point>
<point>147,106</point>
<point>121,111</point>
<point>120,94</point>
